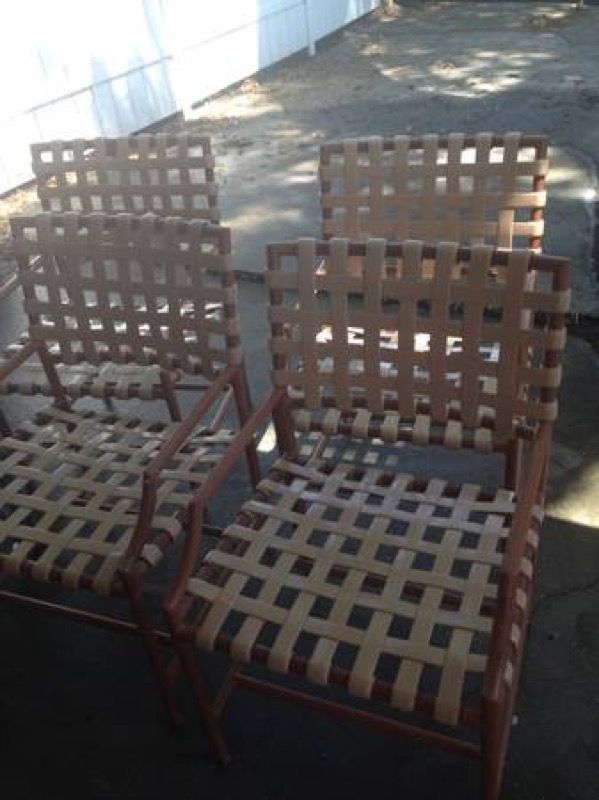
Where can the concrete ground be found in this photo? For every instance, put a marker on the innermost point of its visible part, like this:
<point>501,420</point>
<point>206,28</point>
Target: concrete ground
<point>436,67</point>
<point>78,715</point>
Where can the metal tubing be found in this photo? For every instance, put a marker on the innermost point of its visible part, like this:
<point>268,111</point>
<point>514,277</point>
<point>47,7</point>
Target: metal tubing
<point>79,615</point>
<point>152,649</point>
<point>207,490</point>
<point>170,396</point>
<point>384,724</point>
<point>203,701</point>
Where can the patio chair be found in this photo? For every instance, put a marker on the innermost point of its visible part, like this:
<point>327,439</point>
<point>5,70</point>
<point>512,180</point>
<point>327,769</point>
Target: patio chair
<point>93,500</point>
<point>486,188</point>
<point>163,174</point>
<point>469,189</point>
<point>410,593</point>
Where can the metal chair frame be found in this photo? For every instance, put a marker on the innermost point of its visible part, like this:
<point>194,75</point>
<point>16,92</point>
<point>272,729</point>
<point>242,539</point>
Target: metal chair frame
<point>343,404</point>
<point>73,255</point>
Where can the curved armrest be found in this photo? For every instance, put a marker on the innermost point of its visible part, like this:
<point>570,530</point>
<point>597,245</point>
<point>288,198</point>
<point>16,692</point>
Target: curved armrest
<point>216,477</point>
<point>166,453</point>
<point>13,363</point>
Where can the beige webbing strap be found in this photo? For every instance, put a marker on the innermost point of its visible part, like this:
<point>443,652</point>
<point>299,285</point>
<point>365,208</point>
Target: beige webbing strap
<point>439,312</point>
<point>337,281</point>
<point>474,309</point>
<point>309,323</point>
<point>374,268</point>
<point>510,338</point>
<point>362,562</point>
<point>351,189</point>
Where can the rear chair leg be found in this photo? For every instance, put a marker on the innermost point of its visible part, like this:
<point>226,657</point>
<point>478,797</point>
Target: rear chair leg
<point>513,459</point>
<point>203,699</point>
<point>153,650</point>
<point>170,396</point>
<point>244,409</point>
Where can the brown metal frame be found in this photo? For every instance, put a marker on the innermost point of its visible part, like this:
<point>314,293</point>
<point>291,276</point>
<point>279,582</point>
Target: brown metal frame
<point>498,699</point>
<point>231,382</point>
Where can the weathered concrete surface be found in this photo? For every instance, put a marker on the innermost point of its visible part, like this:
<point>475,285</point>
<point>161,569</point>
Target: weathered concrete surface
<point>78,716</point>
<point>436,67</point>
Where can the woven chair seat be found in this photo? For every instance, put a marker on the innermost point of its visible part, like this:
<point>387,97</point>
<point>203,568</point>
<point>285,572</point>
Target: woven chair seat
<point>375,580</point>
<point>121,381</point>
<point>70,492</point>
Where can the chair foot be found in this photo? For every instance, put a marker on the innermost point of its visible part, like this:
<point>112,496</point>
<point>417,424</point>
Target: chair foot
<point>204,703</point>
<point>493,761</point>
<point>154,653</point>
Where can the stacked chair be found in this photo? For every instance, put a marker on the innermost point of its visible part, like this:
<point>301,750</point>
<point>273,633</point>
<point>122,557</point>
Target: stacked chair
<point>92,500</point>
<point>160,174</point>
<point>412,320</point>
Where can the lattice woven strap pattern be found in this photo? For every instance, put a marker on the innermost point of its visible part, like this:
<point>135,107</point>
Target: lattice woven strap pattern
<point>130,289</point>
<point>475,301</point>
<point>122,381</point>
<point>70,491</point>
<point>469,189</point>
<point>374,579</point>
<point>165,174</point>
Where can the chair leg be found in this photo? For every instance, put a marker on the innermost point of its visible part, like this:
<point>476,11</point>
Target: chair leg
<point>494,749</point>
<point>5,429</point>
<point>153,650</point>
<point>170,396</point>
<point>203,699</point>
<point>513,459</point>
<point>243,403</point>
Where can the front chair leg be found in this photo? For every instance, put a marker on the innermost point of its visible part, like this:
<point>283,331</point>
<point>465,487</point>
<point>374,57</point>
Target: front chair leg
<point>202,697</point>
<point>494,748</point>
<point>152,648</point>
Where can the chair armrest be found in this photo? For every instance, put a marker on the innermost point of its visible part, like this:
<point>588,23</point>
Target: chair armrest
<point>188,424</point>
<point>532,487</point>
<point>216,477</point>
<point>166,453</point>
<point>9,366</point>
<point>16,280</point>
<point>10,286</point>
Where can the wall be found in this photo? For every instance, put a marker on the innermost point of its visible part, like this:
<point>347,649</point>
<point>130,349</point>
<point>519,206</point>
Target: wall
<point>72,68</point>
